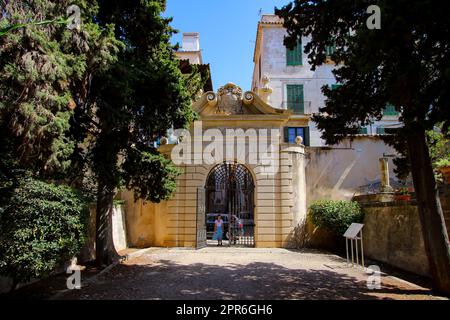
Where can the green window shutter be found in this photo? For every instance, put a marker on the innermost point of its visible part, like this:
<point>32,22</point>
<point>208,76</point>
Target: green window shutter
<point>294,56</point>
<point>380,130</point>
<point>335,86</point>
<point>295,100</point>
<point>389,110</point>
<point>290,96</point>
<point>329,50</point>
<point>289,57</point>
<point>306,140</point>
<point>286,134</point>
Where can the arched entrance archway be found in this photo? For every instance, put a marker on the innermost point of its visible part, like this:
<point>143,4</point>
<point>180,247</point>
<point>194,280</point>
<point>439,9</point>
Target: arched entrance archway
<point>230,192</point>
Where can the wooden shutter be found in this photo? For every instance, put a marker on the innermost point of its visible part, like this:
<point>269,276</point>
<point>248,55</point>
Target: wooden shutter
<point>335,86</point>
<point>380,130</point>
<point>306,138</point>
<point>389,110</point>
<point>294,56</point>
<point>329,50</point>
<point>295,98</point>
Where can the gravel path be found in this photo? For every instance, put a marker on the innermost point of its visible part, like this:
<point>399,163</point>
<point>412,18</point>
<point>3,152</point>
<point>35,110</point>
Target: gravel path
<point>241,273</point>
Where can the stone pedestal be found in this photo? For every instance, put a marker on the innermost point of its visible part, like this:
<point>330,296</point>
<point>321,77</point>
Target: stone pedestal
<point>266,90</point>
<point>265,93</point>
<point>385,184</point>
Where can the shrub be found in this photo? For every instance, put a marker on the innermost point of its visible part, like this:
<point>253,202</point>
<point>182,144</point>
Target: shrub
<point>335,215</point>
<point>442,163</point>
<point>41,226</point>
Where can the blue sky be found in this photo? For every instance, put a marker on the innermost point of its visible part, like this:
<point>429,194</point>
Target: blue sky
<point>227,34</point>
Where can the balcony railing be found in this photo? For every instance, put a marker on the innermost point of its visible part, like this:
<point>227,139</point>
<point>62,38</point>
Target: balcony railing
<point>298,107</point>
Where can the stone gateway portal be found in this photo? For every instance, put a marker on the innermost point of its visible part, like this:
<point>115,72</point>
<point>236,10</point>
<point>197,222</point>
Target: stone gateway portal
<point>230,194</point>
<point>257,184</point>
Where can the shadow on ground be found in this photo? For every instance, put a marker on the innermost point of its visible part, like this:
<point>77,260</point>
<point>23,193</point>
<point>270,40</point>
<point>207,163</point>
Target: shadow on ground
<point>169,280</point>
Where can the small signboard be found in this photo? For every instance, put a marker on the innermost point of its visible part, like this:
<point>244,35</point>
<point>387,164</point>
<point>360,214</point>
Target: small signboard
<point>351,234</point>
<point>353,230</point>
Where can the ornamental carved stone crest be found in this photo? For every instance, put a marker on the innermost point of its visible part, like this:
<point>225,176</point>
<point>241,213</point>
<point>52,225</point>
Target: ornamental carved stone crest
<point>229,100</point>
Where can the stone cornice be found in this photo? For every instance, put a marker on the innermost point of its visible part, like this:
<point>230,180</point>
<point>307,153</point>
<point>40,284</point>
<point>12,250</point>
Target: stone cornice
<point>229,101</point>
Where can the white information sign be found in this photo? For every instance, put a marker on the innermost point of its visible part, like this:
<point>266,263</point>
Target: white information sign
<point>353,230</point>
<point>351,234</point>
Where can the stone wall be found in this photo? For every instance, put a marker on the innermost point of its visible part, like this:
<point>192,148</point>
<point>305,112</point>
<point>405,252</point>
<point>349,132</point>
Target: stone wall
<point>392,234</point>
<point>330,173</point>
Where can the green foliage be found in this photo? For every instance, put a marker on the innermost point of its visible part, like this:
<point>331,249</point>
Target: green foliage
<point>142,95</point>
<point>403,191</point>
<point>12,27</point>
<point>89,102</point>
<point>439,146</point>
<point>119,202</point>
<point>150,175</point>
<point>195,80</point>
<point>335,215</point>
<point>442,163</point>
<point>119,72</point>
<point>43,70</point>
<point>41,226</point>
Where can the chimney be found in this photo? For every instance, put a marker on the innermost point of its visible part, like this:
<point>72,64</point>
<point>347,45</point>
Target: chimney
<point>191,41</point>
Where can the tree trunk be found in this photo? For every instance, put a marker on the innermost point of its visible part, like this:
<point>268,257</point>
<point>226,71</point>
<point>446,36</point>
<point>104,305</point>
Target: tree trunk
<point>14,285</point>
<point>105,252</point>
<point>430,211</point>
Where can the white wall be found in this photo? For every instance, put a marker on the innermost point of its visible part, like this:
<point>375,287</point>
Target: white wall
<point>336,173</point>
<point>191,41</point>
<point>193,57</point>
<point>273,58</point>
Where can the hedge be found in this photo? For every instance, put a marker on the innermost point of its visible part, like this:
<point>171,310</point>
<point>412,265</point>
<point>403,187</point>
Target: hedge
<point>335,215</point>
<point>42,225</point>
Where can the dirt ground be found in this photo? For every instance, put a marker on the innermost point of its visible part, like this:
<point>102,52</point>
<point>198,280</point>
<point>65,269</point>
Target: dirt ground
<point>242,273</point>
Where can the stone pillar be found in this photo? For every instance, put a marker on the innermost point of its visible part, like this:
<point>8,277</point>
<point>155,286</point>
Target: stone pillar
<point>385,184</point>
<point>299,186</point>
<point>296,157</point>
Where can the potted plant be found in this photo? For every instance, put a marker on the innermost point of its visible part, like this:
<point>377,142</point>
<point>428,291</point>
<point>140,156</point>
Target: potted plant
<point>402,194</point>
<point>443,166</point>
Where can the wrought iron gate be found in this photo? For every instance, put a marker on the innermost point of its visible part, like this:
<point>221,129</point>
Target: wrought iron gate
<point>229,192</point>
<point>201,223</point>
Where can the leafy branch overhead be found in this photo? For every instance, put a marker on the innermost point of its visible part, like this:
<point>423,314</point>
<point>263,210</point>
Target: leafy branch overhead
<point>13,27</point>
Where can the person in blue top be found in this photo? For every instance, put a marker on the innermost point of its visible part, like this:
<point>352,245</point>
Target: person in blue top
<point>218,230</point>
